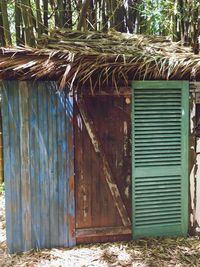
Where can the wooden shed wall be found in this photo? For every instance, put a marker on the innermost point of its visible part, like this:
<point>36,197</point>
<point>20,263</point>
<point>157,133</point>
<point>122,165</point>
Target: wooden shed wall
<point>1,151</point>
<point>39,172</point>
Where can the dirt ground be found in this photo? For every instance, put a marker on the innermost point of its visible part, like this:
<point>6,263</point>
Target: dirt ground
<point>142,253</point>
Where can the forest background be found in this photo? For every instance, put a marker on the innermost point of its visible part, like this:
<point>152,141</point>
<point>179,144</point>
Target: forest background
<point>22,22</point>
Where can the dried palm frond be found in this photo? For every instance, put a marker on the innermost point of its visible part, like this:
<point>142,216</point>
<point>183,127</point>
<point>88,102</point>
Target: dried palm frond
<point>96,59</point>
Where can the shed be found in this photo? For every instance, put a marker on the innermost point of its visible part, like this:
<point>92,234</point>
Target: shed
<point>100,135</point>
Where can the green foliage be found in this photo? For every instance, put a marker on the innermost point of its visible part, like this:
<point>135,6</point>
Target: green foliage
<point>158,16</point>
<point>2,188</point>
<point>11,16</point>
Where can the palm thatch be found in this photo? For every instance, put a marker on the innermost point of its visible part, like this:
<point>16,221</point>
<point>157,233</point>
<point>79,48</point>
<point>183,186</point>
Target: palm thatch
<point>98,59</point>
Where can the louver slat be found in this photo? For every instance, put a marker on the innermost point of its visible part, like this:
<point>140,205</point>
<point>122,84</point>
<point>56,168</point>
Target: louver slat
<point>160,158</point>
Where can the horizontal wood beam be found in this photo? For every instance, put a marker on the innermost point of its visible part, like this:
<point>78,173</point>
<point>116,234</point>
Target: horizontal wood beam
<point>103,231</point>
<point>126,92</point>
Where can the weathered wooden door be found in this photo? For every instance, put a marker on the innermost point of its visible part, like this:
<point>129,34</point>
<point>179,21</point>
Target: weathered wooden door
<point>160,157</point>
<point>102,126</point>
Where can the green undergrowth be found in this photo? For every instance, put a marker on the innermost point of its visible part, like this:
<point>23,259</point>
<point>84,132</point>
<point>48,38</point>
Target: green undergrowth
<point>2,188</point>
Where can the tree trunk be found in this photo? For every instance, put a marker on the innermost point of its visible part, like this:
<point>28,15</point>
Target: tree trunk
<point>187,23</point>
<point>196,28</point>
<point>61,13</point>
<point>132,14</point>
<point>54,11</point>
<point>119,24</point>
<point>2,37</point>
<point>181,8</point>
<point>110,12</point>
<point>175,25</point>
<point>68,14</point>
<point>6,27</point>
<point>39,22</point>
<point>83,15</point>
<point>27,23</point>
<point>104,16</point>
<point>116,15</point>
<point>45,15</point>
<point>92,25</point>
<point>142,24</point>
<point>18,23</point>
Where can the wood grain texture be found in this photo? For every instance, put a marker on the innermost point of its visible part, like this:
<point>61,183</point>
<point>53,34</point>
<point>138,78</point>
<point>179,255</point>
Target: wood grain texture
<point>15,161</point>
<point>43,155</point>
<point>108,175</point>
<point>7,166</point>
<point>103,231</point>
<point>34,166</point>
<point>25,170</point>
<point>53,170</point>
<point>39,174</point>
<point>1,151</point>
<point>95,207</point>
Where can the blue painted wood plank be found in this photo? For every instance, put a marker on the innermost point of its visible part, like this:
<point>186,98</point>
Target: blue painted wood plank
<point>40,147</point>
<point>47,177</point>
<point>61,148</point>
<point>42,184</point>
<point>25,163</point>
<point>15,161</point>
<point>65,171</point>
<point>7,166</point>
<point>43,153</point>
<point>34,164</point>
<point>52,118</point>
<point>70,171</point>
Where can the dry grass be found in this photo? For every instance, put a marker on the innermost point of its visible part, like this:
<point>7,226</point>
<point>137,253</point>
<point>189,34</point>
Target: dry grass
<point>97,59</point>
<point>164,252</point>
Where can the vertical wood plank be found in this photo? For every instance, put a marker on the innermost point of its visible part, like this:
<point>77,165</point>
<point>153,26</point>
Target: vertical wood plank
<point>1,150</point>
<point>185,153</point>
<point>15,162</point>
<point>40,185</point>
<point>62,162</point>
<point>47,176</point>
<point>43,152</point>
<point>7,171</point>
<point>25,174</point>
<point>53,191</point>
<point>34,165</point>
<point>104,213</point>
<point>65,174</point>
<point>70,171</point>
<point>78,145</point>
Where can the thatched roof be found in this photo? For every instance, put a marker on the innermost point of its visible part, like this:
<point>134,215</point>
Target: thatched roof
<point>98,59</point>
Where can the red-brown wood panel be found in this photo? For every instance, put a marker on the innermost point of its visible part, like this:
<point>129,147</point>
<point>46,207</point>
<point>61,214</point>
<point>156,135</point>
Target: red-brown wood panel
<point>96,211</point>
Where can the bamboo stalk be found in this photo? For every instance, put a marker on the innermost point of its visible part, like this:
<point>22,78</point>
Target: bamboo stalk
<point>6,26</point>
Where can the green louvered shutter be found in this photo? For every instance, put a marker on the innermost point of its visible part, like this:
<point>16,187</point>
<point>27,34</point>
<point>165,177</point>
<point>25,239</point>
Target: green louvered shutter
<point>160,158</point>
